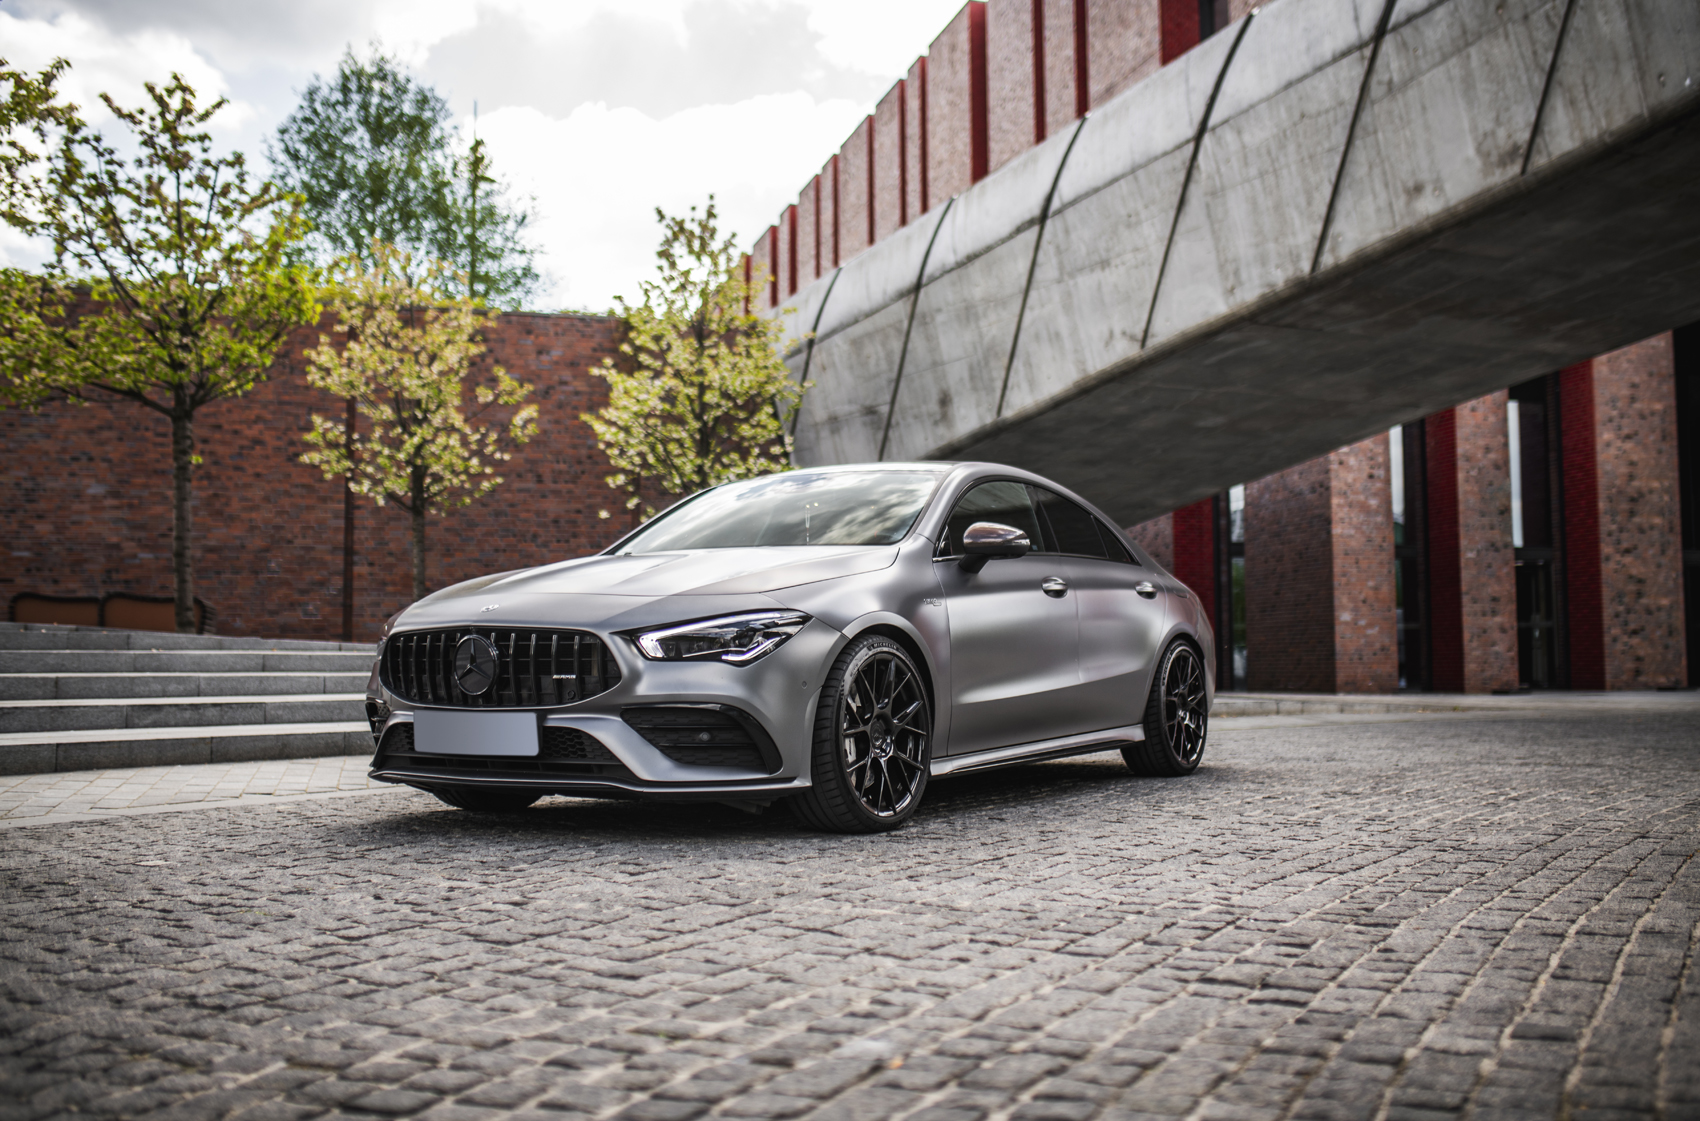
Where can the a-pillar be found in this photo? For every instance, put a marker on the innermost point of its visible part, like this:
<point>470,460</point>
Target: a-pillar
<point>1622,519</point>
<point>1472,585</point>
<point>1319,576</point>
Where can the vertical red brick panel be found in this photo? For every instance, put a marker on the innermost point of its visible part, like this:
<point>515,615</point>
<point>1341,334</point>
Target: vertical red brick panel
<point>1157,537</point>
<point>950,109</point>
<point>773,239</point>
<point>833,225</point>
<point>1124,44</point>
<point>1082,60</point>
<point>1289,581</point>
<point>808,232</point>
<point>747,276</point>
<point>791,250</point>
<point>980,154</point>
<point>1635,448</point>
<point>1366,653</point>
<point>1014,93</point>
<point>855,201</point>
<point>86,496</point>
<point>1446,617</point>
<point>1036,28</point>
<point>889,159</point>
<point>763,252</point>
<point>1582,527</point>
<point>1486,564</point>
<point>1180,31</point>
<point>1194,530</point>
<point>916,200</point>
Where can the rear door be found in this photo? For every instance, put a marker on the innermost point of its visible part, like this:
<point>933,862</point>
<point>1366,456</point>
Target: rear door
<point>1122,611</point>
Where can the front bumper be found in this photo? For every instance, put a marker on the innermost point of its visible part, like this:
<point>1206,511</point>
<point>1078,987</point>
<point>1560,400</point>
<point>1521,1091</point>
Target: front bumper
<point>778,693</point>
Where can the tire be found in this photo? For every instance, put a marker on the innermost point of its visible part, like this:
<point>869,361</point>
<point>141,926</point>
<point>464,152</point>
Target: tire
<point>1176,717</point>
<point>872,742</point>
<point>486,799</point>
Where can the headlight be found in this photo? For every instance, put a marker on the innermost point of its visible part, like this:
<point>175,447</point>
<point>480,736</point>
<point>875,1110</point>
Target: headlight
<point>738,639</point>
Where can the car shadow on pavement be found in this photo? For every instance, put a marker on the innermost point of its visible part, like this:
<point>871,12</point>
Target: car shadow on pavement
<point>950,802</point>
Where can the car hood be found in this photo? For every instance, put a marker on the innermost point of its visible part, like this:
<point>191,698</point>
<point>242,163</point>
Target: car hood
<point>607,589</point>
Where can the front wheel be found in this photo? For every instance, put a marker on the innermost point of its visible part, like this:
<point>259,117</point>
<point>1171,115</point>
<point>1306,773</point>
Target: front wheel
<point>1176,718</point>
<point>872,741</point>
<point>486,799</point>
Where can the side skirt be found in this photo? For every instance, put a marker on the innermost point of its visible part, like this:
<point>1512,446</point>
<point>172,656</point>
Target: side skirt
<point>1084,744</point>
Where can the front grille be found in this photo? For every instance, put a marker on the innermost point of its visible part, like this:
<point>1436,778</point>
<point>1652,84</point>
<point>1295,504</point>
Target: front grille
<point>534,667</point>
<point>705,736</point>
<point>563,754</point>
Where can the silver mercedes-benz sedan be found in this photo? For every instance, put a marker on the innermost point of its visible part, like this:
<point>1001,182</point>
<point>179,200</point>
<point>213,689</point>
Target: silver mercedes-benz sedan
<point>830,637</point>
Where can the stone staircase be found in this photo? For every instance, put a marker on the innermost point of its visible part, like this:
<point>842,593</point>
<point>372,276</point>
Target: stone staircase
<point>83,698</point>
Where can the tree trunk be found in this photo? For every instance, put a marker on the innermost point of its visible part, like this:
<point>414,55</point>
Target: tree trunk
<point>182,561</point>
<point>418,515</point>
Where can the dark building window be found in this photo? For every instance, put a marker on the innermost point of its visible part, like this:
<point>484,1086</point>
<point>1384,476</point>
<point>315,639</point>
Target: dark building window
<point>1688,459</point>
<point>1408,476</point>
<point>1532,433</point>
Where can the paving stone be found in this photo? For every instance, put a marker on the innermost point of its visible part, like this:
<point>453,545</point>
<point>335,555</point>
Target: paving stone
<point>1476,915</point>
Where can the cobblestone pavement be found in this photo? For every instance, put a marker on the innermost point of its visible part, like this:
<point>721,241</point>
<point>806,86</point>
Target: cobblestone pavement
<point>78,795</point>
<point>1488,917</point>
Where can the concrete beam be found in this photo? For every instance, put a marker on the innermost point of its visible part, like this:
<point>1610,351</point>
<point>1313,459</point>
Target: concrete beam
<point>1333,216</point>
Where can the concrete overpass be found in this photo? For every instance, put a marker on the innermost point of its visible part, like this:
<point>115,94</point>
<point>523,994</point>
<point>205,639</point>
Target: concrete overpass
<point>1331,217</point>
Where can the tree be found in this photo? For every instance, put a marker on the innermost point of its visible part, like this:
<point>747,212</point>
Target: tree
<point>31,115</point>
<point>707,398</point>
<point>171,286</point>
<point>407,346</point>
<point>373,154</point>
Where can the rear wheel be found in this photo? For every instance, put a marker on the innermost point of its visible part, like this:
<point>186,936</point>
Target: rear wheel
<point>486,799</point>
<point>1176,717</point>
<point>872,741</point>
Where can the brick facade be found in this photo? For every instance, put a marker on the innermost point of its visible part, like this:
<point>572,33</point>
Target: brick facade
<point>891,162</point>
<point>956,105</point>
<point>1123,44</point>
<point>1639,526</point>
<point>856,191</point>
<point>1365,656</point>
<point>1015,85</point>
<point>1157,538</point>
<point>87,497</point>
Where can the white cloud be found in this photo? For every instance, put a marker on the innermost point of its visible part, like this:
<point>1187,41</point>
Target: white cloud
<point>599,173</point>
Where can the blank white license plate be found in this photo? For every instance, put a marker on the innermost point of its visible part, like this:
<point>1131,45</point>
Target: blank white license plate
<point>474,733</point>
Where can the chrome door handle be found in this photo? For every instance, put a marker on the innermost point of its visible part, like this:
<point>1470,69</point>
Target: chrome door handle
<point>1146,588</point>
<point>1054,586</point>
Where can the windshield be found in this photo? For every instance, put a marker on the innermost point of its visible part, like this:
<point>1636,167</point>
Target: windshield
<point>795,508</point>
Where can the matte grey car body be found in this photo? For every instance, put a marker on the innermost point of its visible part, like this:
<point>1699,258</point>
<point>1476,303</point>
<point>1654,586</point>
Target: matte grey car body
<point>1029,657</point>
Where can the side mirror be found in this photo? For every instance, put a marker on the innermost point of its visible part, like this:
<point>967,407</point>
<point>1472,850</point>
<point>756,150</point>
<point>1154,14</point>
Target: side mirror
<point>984,541</point>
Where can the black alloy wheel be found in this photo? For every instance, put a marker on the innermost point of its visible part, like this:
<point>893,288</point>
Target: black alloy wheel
<point>872,743</point>
<point>1177,717</point>
<point>486,799</point>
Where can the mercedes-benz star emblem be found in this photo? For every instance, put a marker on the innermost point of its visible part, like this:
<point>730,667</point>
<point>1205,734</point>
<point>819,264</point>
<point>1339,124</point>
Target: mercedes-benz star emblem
<point>475,665</point>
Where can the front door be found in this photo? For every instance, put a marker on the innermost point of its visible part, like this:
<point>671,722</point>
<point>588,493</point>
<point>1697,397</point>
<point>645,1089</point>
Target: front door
<point>1014,659</point>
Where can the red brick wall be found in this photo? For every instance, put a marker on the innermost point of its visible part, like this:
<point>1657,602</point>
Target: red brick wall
<point>1581,527</point>
<point>915,139</point>
<point>951,95</point>
<point>1640,521</point>
<point>1194,529</point>
<point>1157,537</point>
<point>1065,89</point>
<point>788,258</point>
<point>1289,581</point>
<point>1366,656</point>
<point>855,186</point>
<point>85,497</point>
<point>831,224</point>
<point>1178,28</point>
<point>890,162</point>
<point>808,232</point>
<point>1010,75</point>
<point>1123,44</point>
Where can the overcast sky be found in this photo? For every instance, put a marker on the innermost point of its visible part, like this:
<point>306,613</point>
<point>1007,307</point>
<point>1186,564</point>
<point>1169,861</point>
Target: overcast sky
<point>601,110</point>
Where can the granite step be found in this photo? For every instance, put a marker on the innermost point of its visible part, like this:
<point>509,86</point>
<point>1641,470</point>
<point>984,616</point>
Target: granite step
<point>185,661</point>
<point>61,715</point>
<point>102,686</point>
<point>102,748</point>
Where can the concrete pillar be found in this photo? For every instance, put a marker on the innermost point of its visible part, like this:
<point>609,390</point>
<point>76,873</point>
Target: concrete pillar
<point>1639,517</point>
<point>1472,588</point>
<point>891,162</point>
<point>1319,576</point>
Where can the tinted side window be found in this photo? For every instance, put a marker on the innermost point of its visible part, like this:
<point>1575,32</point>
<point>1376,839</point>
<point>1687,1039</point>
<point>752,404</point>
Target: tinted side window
<point>1004,503</point>
<point>1118,551</point>
<point>1073,530</point>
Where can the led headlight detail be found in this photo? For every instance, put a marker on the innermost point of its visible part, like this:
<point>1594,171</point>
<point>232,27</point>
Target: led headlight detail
<point>738,639</point>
